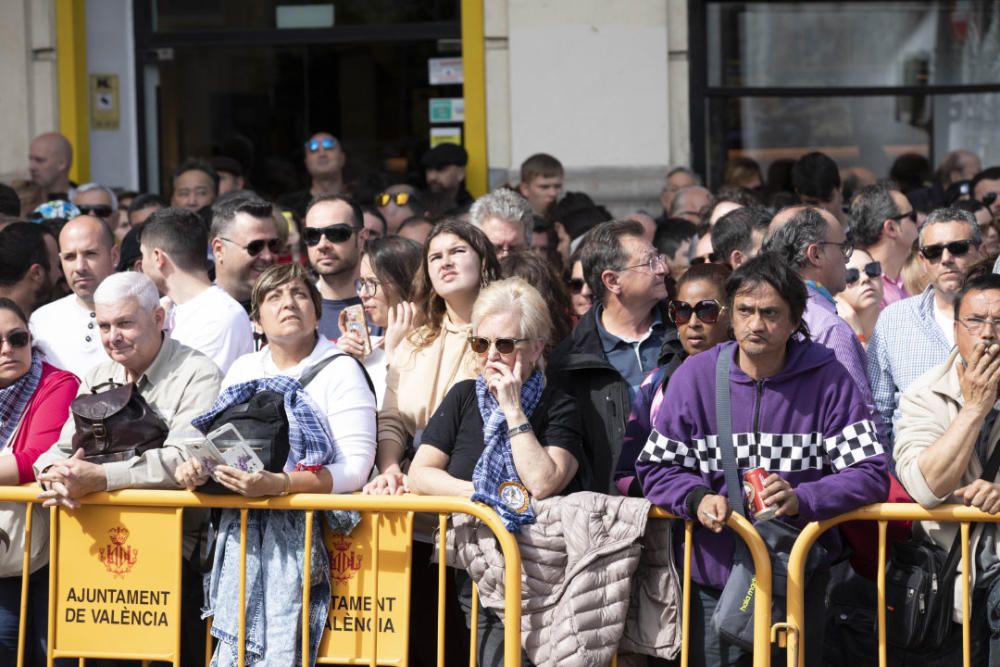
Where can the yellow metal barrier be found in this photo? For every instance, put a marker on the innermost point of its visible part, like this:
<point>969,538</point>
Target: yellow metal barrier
<point>308,503</point>
<point>762,597</point>
<point>882,513</point>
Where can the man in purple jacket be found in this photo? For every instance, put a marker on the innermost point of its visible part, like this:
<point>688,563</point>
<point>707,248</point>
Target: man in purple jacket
<point>796,412</point>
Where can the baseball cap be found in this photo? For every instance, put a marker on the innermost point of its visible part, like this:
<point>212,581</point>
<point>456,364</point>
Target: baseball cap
<point>443,155</point>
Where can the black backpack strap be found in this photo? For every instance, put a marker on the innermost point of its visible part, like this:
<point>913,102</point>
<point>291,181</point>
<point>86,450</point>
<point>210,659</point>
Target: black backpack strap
<point>311,374</point>
<point>723,420</point>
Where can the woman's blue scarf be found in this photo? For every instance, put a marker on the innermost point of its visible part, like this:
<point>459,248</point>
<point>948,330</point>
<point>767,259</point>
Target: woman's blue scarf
<point>495,478</point>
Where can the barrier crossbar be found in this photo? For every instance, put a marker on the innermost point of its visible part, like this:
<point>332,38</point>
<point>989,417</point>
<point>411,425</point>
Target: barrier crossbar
<point>762,595</point>
<point>309,503</point>
<point>881,513</point>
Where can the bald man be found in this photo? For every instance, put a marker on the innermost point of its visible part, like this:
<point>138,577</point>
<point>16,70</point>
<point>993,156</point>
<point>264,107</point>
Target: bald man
<point>50,157</point>
<point>65,330</point>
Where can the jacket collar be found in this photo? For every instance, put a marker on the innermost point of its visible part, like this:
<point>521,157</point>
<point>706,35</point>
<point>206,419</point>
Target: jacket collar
<point>948,384</point>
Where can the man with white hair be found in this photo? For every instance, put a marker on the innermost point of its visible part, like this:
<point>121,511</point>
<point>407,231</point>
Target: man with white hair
<point>506,219</point>
<point>65,330</point>
<point>179,383</point>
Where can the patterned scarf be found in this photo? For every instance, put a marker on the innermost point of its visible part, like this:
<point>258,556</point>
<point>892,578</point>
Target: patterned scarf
<point>310,442</point>
<point>495,478</point>
<point>14,399</point>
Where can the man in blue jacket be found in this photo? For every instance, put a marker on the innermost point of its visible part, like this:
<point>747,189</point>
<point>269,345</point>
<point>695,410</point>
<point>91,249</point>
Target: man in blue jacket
<point>796,413</point>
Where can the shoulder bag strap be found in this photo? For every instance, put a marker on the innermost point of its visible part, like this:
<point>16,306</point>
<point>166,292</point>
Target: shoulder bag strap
<point>989,473</point>
<point>723,419</point>
<point>311,374</point>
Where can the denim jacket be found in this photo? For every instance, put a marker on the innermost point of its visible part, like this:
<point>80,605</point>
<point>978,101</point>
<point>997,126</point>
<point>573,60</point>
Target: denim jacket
<point>275,540</point>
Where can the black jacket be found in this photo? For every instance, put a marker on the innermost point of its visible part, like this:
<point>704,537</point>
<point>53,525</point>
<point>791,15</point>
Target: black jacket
<point>578,366</point>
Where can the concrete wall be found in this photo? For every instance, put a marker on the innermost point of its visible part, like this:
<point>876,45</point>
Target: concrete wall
<point>29,105</point>
<point>114,154</point>
<point>600,84</point>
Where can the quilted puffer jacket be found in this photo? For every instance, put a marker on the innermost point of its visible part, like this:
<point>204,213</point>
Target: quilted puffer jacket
<point>584,595</point>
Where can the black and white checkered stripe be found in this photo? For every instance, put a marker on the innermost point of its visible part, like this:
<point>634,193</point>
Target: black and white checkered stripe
<point>855,443</point>
<point>775,452</point>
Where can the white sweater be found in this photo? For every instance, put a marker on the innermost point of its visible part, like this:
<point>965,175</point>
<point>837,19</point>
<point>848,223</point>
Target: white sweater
<point>342,392</point>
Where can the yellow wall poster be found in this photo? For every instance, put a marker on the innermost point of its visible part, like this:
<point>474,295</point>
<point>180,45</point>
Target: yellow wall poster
<point>117,589</point>
<point>357,609</point>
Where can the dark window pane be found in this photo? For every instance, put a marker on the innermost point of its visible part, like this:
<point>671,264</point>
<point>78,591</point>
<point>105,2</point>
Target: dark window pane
<point>867,132</point>
<point>816,44</point>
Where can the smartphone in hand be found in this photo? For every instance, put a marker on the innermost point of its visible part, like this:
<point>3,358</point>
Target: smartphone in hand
<point>354,316</point>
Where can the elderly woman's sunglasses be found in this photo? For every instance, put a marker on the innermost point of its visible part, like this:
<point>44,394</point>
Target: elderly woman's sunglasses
<point>871,269</point>
<point>708,311</point>
<point>16,339</point>
<point>481,345</point>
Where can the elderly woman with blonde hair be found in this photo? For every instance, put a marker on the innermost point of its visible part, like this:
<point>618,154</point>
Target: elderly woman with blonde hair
<point>504,437</point>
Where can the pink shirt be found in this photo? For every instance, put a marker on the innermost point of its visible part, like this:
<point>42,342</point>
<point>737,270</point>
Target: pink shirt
<point>892,290</point>
<point>44,417</point>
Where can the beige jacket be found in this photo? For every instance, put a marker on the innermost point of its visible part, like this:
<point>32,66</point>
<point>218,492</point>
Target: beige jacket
<point>927,408</point>
<point>417,381</point>
<point>580,601</point>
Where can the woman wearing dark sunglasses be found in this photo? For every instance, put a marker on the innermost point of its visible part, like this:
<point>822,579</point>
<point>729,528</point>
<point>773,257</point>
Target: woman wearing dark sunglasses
<point>34,403</point>
<point>702,323</point>
<point>505,437</point>
<point>861,301</point>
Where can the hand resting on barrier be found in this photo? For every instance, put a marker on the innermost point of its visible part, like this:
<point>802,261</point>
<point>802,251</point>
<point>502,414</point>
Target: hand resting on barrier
<point>713,512</point>
<point>69,479</point>
<point>392,482</point>
<point>191,474</point>
<point>982,495</point>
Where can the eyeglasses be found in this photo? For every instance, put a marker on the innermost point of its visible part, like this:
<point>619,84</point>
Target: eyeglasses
<point>871,269</point>
<point>16,339</point>
<point>846,248</point>
<point>326,143</point>
<point>708,311</point>
<point>98,210</point>
<point>397,198</point>
<point>256,247</point>
<point>481,345</point>
<point>955,249</point>
<point>990,198</point>
<point>366,285</point>
<point>653,263</point>
<point>333,234</point>
<point>576,285</point>
<point>710,258</point>
<point>975,324</point>
<point>912,215</point>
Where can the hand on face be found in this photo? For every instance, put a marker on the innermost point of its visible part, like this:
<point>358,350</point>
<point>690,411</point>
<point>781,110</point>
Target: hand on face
<point>505,383</point>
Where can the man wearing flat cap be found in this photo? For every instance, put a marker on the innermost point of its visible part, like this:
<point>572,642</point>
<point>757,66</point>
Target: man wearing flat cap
<point>444,170</point>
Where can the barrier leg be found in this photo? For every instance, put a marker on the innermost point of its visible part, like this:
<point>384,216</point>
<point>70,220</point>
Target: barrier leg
<point>208,641</point>
<point>241,634</point>
<point>474,638</point>
<point>306,577</point>
<point>882,659</point>
<point>442,530</point>
<point>376,529</point>
<point>966,620</point>
<point>22,619</point>
<point>53,560</point>
<point>686,595</point>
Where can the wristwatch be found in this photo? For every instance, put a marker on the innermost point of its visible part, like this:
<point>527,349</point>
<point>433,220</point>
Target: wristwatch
<point>517,430</point>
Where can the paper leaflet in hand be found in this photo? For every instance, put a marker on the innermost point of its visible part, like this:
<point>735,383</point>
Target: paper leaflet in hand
<point>225,446</point>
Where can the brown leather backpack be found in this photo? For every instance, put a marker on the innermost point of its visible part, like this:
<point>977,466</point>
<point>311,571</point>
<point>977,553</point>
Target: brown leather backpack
<point>116,424</point>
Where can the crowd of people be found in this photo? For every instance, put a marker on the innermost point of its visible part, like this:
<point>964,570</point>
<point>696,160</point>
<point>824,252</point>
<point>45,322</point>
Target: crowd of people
<point>510,348</point>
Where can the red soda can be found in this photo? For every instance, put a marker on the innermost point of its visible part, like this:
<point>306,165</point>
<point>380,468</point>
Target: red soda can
<point>753,485</point>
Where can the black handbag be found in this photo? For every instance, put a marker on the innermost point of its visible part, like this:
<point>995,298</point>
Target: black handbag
<point>734,612</point>
<point>262,424</point>
<point>116,424</point>
<point>920,584</point>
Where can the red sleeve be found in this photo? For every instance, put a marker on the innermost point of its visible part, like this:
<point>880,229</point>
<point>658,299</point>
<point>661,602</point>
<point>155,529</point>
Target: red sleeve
<point>44,417</point>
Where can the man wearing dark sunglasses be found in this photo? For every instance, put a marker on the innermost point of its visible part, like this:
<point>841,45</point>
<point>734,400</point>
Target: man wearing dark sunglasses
<point>986,189</point>
<point>244,243</point>
<point>99,201</point>
<point>814,243</point>
<point>916,334</point>
<point>335,235</point>
<point>324,160</point>
<point>884,224</point>
<point>617,342</point>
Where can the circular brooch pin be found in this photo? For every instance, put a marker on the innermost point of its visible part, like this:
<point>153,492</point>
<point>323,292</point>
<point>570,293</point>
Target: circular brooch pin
<point>515,496</point>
